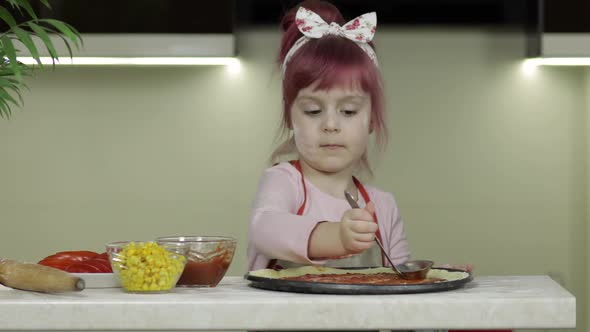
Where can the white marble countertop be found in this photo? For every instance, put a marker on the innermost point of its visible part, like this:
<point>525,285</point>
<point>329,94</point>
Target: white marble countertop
<point>485,303</point>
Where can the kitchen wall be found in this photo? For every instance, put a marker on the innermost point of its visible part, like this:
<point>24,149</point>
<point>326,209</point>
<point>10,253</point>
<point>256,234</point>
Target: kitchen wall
<point>488,163</point>
<point>587,183</point>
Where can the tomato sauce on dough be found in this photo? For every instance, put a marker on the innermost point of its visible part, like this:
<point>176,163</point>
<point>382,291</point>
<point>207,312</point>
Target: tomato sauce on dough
<point>359,279</point>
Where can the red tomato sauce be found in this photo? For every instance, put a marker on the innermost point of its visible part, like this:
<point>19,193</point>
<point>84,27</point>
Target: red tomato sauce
<point>208,273</point>
<point>358,278</point>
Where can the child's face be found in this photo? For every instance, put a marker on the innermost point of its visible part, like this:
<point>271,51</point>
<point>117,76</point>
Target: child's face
<point>331,127</point>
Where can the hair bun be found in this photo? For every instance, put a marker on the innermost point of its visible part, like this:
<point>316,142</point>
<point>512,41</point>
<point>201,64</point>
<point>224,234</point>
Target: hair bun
<point>287,21</point>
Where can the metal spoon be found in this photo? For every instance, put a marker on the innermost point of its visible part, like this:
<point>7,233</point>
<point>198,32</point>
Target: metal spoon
<point>355,205</point>
<point>412,270</point>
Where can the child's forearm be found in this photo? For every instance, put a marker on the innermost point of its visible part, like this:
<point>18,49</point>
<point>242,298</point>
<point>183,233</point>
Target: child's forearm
<point>325,242</point>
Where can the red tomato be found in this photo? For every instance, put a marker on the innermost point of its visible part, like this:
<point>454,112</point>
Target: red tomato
<point>80,255</point>
<point>60,264</point>
<point>103,265</point>
<point>76,269</point>
<point>82,267</point>
<point>81,261</point>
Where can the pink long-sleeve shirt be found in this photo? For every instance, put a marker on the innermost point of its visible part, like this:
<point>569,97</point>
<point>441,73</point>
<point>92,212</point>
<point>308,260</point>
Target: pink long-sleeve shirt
<point>276,231</point>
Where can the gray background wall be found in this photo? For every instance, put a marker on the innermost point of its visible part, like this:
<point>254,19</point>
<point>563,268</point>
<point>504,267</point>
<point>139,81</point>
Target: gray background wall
<point>488,164</point>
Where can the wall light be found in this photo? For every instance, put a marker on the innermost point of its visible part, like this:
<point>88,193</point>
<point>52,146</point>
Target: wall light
<point>136,61</point>
<point>144,50</point>
<point>557,61</point>
<point>529,66</point>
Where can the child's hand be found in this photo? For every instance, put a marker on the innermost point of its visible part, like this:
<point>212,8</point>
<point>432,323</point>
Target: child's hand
<point>357,229</point>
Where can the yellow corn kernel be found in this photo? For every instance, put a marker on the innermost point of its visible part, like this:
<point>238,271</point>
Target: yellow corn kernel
<point>149,267</point>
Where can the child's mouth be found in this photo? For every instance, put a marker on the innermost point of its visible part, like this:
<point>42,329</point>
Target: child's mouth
<point>331,146</point>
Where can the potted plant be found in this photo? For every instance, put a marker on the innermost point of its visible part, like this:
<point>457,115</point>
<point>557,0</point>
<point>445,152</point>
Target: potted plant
<point>21,33</point>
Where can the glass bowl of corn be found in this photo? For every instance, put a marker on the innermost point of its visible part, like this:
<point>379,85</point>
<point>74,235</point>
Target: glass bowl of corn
<point>145,266</point>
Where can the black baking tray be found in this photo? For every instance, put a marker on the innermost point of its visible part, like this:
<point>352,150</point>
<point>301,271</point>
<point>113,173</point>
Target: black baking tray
<point>294,286</point>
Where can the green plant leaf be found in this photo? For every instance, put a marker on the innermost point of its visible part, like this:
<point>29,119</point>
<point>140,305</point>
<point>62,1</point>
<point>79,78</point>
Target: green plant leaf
<point>27,6</point>
<point>11,81</point>
<point>76,32</point>
<point>7,17</point>
<point>4,109</point>
<point>20,96</point>
<point>4,95</point>
<point>67,30</point>
<point>25,38</point>
<point>7,83</point>
<point>45,3</point>
<point>40,31</point>
<point>16,90</point>
<point>66,42</point>
<point>12,72</point>
<point>11,84</point>
<point>7,71</point>
<point>4,105</point>
<point>8,47</point>
<point>16,4</point>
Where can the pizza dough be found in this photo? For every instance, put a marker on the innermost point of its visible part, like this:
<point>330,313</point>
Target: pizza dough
<point>300,271</point>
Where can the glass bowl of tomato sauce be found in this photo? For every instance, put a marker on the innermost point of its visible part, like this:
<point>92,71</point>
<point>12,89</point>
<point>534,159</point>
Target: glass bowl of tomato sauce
<point>208,258</point>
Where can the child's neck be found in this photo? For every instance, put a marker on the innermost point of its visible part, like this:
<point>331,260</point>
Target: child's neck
<point>333,184</point>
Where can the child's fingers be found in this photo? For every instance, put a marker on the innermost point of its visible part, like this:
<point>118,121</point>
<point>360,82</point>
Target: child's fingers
<point>360,246</point>
<point>370,208</point>
<point>364,237</point>
<point>360,214</point>
<point>362,226</point>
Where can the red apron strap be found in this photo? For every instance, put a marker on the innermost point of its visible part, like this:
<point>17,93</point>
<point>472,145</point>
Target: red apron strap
<point>297,165</point>
<point>273,262</point>
<point>367,199</point>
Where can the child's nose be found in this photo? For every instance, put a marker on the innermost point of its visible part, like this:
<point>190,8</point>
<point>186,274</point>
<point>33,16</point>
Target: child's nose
<point>331,123</point>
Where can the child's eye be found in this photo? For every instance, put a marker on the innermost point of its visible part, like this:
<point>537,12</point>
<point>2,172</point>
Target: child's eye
<point>312,112</point>
<point>349,112</point>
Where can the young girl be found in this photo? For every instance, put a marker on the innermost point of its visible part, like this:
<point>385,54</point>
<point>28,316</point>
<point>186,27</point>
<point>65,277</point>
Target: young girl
<point>333,101</point>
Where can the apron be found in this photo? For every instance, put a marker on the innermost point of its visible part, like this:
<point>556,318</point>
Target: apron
<point>371,257</point>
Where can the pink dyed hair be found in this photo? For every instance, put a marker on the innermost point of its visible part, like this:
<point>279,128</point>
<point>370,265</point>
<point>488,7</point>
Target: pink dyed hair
<point>330,61</point>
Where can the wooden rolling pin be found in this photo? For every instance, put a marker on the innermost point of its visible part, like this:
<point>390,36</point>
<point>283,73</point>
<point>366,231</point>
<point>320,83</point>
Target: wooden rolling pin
<point>37,278</point>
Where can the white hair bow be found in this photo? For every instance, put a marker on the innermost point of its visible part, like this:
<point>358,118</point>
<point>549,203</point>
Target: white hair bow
<point>360,30</point>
